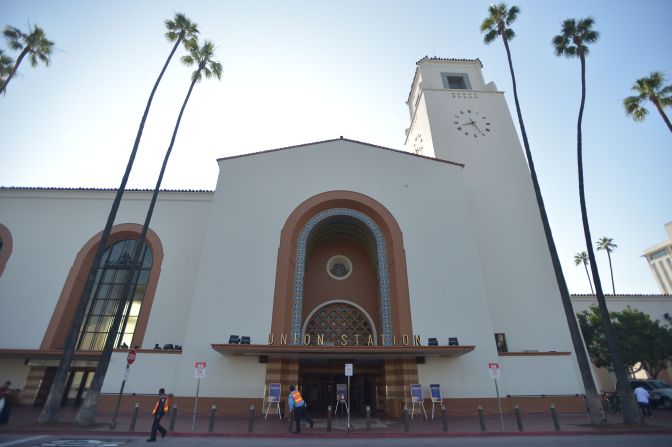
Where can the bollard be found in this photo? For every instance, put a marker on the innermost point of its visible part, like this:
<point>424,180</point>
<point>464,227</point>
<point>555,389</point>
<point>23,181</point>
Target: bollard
<point>329,418</point>
<point>134,418</point>
<point>519,420</point>
<point>368,418</point>
<point>407,423</point>
<point>290,417</point>
<point>481,418</point>
<point>250,423</point>
<point>211,423</point>
<point>554,414</point>
<point>173,418</point>
<point>444,418</point>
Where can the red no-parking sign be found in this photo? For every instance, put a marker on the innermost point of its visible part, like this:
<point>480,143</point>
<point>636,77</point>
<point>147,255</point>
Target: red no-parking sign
<point>130,358</point>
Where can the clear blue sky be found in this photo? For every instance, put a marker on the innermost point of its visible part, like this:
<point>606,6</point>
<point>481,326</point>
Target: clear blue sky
<point>303,71</point>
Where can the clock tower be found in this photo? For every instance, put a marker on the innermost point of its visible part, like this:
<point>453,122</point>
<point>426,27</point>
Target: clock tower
<point>457,116</point>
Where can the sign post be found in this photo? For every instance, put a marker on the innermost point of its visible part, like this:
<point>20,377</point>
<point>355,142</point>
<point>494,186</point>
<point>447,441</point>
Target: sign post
<point>348,373</point>
<point>199,373</point>
<point>130,358</point>
<point>495,374</point>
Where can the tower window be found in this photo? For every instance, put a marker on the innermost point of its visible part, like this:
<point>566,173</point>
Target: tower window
<point>500,340</point>
<point>456,81</point>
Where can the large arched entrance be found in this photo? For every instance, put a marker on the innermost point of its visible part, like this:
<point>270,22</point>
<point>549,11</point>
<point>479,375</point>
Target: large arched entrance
<point>341,280</point>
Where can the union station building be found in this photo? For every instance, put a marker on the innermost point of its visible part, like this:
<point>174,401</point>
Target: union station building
<point>421,265</point>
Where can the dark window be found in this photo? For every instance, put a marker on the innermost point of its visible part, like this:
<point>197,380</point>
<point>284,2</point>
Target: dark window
<point>500,339</point>
<point>111,275</point>
<point>456,82</point>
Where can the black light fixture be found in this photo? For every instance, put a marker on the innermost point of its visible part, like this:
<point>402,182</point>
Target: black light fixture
<point>156,346</point>
<point>168,346</point>
<point>244,340</point>
<point>234,339</point>
<point>432,341</point>
<point>452,341</point>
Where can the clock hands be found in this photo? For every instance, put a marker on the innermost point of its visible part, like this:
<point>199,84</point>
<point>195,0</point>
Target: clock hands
<point>473,123</point>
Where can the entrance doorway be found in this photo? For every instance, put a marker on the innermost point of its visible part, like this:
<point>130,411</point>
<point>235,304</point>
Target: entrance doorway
<point>77,384</point>
<point>319,380</point>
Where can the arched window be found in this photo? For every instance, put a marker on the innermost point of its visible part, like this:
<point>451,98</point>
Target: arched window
<point>5,246</point>
<point>111,276</point>
<point>336,319</point>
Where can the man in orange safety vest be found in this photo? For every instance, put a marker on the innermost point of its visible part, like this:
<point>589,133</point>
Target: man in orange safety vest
<point>298,407</point>
<point>160,409</point>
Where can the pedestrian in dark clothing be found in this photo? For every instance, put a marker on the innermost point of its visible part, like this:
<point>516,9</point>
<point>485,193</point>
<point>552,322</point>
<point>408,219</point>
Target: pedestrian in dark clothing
<point>160,409</point>
<point>298,407</point>
<point>5,394</point>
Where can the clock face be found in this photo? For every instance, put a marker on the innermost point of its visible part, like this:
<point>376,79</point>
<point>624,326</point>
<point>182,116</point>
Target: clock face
<point>471,123</point>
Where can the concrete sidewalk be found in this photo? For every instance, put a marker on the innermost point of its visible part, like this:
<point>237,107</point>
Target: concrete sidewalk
<point>24,419</point>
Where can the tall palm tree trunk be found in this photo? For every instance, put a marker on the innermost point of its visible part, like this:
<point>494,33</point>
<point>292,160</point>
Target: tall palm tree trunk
<point>87,412</point>
<point>611,270</point>
<point>631,412</point>
<point>53,403</point>
<point>589,281</point>
<point>593,401</point>
<point>16,67</point>
<point>656,101</point>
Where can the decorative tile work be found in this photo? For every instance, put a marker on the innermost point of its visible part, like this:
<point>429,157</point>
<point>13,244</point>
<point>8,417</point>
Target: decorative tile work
<point>383,281</point>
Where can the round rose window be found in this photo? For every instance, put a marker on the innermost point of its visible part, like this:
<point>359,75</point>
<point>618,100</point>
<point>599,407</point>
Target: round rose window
<point>339,267</point>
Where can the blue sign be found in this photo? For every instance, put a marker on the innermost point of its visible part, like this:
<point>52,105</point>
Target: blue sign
<point>435,391</point>
<point>416,392</point>
<point>341,391</point>
<point>274,392</point>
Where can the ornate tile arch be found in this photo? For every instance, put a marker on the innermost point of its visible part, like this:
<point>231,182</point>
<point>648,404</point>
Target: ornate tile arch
<point>383,279</point>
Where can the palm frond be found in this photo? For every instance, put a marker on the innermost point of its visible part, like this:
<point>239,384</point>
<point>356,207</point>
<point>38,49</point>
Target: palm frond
<point>509,34</point>
<point>512,15</point>
<point>490,36</point>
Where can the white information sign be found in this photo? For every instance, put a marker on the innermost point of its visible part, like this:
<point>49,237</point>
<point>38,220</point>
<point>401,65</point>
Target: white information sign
<point>199,370</point>
<point>348,369</point>
<point>495,373</point>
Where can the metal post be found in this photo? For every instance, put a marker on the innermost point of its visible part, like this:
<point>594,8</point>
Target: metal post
<point>211,422</point>
<point>173,418</point>
<point>554,414</point>
<point>134,418</point>
<point>407,422</point>
<point>329,418</point>
<point>519,420</point>
<point>250,423</point>
<point>347,407</point>
<point>113,425</point>
<point>481,418</point>
<point>444,418</point>
<point>193,421</point>
<point>368,418</point>
<point>499,404</point>
<point>290,418</point>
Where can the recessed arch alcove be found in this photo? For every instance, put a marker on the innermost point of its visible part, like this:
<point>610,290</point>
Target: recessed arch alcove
<point>304,225</point>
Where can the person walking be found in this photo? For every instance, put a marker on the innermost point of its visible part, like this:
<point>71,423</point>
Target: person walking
<point>160,409</point>
<point>5,395</point>
<point>297,406</point>
<point>642,396</point>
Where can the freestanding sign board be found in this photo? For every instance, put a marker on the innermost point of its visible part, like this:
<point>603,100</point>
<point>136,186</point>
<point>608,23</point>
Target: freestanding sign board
<point>273,399</point>
<point>416,398</point>
<point>435,392</point>
<point>341,391</point>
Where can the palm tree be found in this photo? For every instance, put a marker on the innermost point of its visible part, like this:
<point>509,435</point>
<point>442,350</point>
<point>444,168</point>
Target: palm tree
<point>650,88</point>
<point>35,45</point>
<point>181,30</point>
<point>607,244</point>
<point>498,24</point>
<point>206,67</point>
<point>582,258</point>
<point>572,43</point>
<point>6,63</point>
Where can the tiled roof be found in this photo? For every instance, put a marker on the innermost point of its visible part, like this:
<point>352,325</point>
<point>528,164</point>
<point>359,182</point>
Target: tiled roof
<point>342,139</point>
<point>51,188</point>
